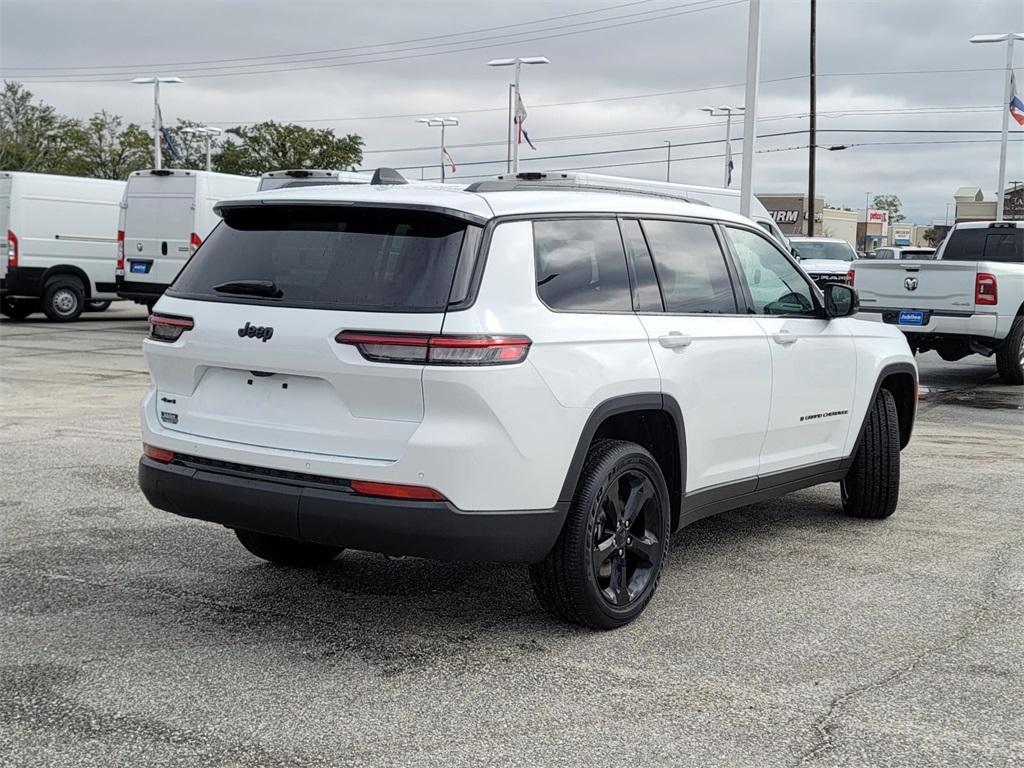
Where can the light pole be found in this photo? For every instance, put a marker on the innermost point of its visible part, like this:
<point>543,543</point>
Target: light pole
<point>750,105</point>
<point>158,122</point>
<point>947,214</point>
<point>441,122</point>
<point>517,62</point>
<point>668,161</point>
<point>209,132</point>
<point>727,112</point>
<point>1007,38</point>
<point>867,196</point>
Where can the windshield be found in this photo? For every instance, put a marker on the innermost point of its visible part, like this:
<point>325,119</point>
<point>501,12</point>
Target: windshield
<point>819,249</point>
<point>368,259</point>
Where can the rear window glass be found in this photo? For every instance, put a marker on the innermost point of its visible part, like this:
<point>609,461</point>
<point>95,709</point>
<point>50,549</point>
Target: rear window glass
<point>366,259</point>
<point>811,249</point>
<point>581,265</point>
<point>1004,244</point>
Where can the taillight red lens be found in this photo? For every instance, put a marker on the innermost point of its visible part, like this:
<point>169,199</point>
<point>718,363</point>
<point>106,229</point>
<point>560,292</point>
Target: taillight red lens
<point>423,349</point>
<point>12,249</point>
<point>158,454</point>
<point>849,276</point>
<point>395,491</point>
<point>194,242</point>
<point>120,251</point>
<point>985,289</point>
<point>168,327</point>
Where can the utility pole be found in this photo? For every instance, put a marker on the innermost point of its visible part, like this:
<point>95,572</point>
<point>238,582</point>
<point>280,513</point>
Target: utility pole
<point>1007,38</point>
<point>813,137</point>
<point>668,162</point>
<point>750,105</point>
<point>728,112</point>
<point>866,218</point>
<point>158,124</point>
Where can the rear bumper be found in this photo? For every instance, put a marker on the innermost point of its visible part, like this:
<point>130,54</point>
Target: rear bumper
<point>22,282</point>
<point>339,516</point>
<point>144,293</point>
<point>976,324</point>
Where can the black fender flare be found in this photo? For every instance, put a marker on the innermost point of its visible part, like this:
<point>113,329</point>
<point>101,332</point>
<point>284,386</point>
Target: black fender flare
<point>68,269</point>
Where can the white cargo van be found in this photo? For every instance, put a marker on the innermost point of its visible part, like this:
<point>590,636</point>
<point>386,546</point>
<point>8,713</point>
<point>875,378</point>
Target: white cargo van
<point>165,215</point>
<point>307,178</point>
<point>59,239</point>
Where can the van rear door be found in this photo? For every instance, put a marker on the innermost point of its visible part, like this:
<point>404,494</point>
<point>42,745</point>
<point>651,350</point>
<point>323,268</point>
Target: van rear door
<point>269,292</point>
<point>5,222</point>
<point>158,225</point>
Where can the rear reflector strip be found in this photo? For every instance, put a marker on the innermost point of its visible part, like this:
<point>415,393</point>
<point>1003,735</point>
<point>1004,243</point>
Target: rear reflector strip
<point>158,454</point>
<point>395,491</point>
<point>423,349</point>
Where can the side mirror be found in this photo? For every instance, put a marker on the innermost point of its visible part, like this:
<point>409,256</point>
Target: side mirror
<point>795,254</point>
<point>840,300</point>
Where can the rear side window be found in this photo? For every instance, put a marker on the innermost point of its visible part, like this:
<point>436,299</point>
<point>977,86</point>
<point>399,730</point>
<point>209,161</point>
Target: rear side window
<point>364,259</point>
<point>1005,244</point>
<point>691,267</point>
<point>581,265</point>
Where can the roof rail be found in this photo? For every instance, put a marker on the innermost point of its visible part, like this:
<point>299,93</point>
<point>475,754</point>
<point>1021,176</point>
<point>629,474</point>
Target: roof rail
<point>590,182</point>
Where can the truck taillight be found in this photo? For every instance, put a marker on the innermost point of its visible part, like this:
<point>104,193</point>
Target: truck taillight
<point>194,242</point>
<point>120,253</point>
<point>12,249</point>
<point>168,327</point>
<point>985,289</point>
<point>448,349</point>
<point>849,276</point>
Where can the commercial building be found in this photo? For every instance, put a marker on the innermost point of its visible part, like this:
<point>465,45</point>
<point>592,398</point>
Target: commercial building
<point>971,204</point>
<point>790,212</point>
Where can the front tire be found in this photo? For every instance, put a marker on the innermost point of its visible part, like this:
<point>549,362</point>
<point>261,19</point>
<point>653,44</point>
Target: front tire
<point>63,299</point>
<point>288,552</point>
<point>605,566</point>
<point>871,488</point>
<point>1010,356</point>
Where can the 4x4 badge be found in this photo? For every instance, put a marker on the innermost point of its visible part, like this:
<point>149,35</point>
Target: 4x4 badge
<point>261,332</point>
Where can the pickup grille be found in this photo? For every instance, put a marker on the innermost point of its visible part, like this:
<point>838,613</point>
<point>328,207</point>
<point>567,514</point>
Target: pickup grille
<point>821,278</point>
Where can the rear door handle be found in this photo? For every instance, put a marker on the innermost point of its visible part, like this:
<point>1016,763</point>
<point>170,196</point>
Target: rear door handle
<point>785,338</point>
<point>675,340</point>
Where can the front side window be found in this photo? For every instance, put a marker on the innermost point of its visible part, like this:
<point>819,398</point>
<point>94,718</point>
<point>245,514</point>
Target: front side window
<point>691,267</point>
<point>776,286</point>
<point>581,266</point>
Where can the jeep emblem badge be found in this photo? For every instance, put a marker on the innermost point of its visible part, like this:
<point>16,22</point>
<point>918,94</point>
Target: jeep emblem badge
<point>261,332</point>
<point>910,283</point>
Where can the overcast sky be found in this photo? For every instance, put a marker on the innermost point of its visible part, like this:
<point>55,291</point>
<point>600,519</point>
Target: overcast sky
<point>347,64</point>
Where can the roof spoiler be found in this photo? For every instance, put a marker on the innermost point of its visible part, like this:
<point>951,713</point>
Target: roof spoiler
<point>387,176</point>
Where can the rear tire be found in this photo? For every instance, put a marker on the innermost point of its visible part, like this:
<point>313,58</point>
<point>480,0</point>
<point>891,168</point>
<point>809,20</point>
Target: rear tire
<point>19,309</point>
<point>97,306</point>
<point>288,552</point>
<point>1010,356</point>
<point>871,489</point>
<point>63,299</point>
<point>607,562</point>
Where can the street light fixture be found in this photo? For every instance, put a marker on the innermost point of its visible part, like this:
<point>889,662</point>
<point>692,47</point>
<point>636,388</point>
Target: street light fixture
<point>209,132</point>
<point>517,62</point>
<point>441,122</point>
<point>727,113</point>
<point>157,118</point>
<point>1007,38</point>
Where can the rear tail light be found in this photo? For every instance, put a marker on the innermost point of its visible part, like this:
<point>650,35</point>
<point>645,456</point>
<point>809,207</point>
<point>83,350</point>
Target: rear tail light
<point>985,289</point>
<point>120,253</point>
<point>849,277</point>
<point>422,349</point>
<point>12,249</point>
<point>395,491</point>
<point>158,454</point>
<point>194,242</point>
<point>168,327</point>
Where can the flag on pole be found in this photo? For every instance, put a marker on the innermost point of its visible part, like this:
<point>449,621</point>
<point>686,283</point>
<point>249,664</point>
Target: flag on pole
<point>728,163</point>
<point>168,141</point>
<point>448,157</point>
<point>520,118</point>
<point>1016,105</point>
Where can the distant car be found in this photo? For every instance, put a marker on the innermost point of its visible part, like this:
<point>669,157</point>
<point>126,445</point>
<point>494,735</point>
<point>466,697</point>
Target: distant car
<point>898,253</point>
<point>825,259</point>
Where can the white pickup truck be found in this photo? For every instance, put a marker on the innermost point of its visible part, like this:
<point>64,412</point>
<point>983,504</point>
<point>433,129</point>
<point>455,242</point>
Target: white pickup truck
<point>968,300</point>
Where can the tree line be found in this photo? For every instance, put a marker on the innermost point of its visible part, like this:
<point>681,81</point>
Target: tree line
<point>35,137</point>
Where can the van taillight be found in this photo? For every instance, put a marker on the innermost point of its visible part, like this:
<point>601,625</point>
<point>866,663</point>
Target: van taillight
<point>12,249</point>
<point>194,242</point>
<point>120,253</point>
<point>168,327</point>
<point>449,349</point>
<point>985,290</point>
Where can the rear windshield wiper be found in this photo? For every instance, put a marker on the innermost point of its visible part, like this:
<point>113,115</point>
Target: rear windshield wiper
<point>250,288</point>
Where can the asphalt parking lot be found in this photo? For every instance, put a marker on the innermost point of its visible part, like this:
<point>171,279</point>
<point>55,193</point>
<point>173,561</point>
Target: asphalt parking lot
<point>783,634</point>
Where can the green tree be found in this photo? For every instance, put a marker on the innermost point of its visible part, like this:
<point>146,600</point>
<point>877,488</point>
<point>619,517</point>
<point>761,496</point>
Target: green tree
<point>892,204</point>
<point>931,236</point>
<point>33,137</point>
<point>252,150</point>
<point>106,148</point>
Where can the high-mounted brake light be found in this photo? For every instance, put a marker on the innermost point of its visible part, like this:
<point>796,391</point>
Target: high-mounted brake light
<point>158,454</point>
<point>985,289</point>
<point>396,491</point>
<point>194,242</point>
<point>449,349</point>
<point>12,249</point>
<point>168,327</point>
<point>120,253</point>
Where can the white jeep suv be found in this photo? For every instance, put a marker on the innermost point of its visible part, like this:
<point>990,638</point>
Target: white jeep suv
<point>509,372</point>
